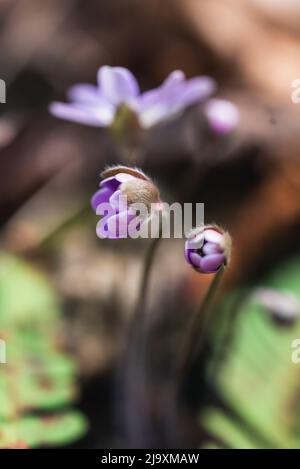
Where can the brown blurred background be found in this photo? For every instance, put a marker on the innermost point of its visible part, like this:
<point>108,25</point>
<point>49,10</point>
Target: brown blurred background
<point>249,181</point>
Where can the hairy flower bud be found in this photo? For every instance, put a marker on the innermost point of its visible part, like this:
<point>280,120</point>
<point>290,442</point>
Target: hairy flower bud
<point>121,189</point>
<point>208,248</point>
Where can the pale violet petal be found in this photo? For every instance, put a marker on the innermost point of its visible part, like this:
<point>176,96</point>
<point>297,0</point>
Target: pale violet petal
<point>117,225</point>
<point>211,248</point>
<point>173,79</point>
<point>212,262</point>
<point>195,259</point>
<point>222,115</point>
<point>173,98</point>
<point>111,182</point>
<point>84,93</point>
<point>101,196</point>
<point>195,90</point>
<point>81,114</point>
<point>213,236</point>
<point>117,84</point>
<point>153,105</point>
<point>196,242</point>
<point>118,201</point>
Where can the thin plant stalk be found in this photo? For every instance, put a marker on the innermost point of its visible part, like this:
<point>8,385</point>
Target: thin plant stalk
<point>136,379</point>
<point>149,259</point>
<point>142,293</point>
<point>227,336</point>
<point>199,327</point>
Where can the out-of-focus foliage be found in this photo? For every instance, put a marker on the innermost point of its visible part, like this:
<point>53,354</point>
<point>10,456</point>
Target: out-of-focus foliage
<point>249,183</point>
<point>37,382</point>
<point>258,381</point>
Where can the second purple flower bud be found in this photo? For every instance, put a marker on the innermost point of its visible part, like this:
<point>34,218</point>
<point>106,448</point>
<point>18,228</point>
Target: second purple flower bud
<point>208,248</point>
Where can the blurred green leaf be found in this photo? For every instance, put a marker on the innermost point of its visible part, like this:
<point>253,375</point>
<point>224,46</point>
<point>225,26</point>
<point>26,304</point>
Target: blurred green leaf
<point>258,380</point>
<point>56,429</point>
<point>226,431</point>
<point>26,297</point>
<point>38,376</point>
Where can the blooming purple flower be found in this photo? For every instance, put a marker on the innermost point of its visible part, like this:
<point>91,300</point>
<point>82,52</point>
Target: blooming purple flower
<point>98,105</point>
<point>207,249</point>
<point>223,116</point>
<point>120,189</point>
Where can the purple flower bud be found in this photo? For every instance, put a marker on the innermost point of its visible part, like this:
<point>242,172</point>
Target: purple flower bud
<point>98,105</point>
<point>122,187</point>
<point>208,248</point>
<point>223,116</point>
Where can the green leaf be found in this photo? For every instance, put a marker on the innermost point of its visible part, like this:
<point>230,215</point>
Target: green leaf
<point>258,380</point>
<point>53,429</point>
<point>38,376</point>
<point>26,297</point>
<point>226,430</point>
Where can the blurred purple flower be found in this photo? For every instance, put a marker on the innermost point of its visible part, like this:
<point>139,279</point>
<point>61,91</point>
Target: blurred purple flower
<point>222,116</point>
<point>98,105</point>
<point>207,248</point>
<point>284,307</point>
<point>121,188</point>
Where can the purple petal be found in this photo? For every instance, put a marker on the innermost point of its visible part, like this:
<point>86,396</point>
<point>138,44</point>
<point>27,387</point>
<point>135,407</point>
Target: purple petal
<point>213,236</point>
<point>194,259</point>
<point>153,97</point>
<point>114,199</point>
<point>117,225</point>
<point>196,89</point>
<point>155,105</point>
<point>191,256</point>
<point>100,197</point>
<point>115,181</point>
<point>84,93</point>
<point>117,84</point>
<point>101,229</point>
<point>173,97</point>
<point>81,113</point>
<point>175,77</point>
<point>211,263</point>
<point>162,110</point>
<point>91,97</point>
<point>118,201</point>
<point>211,248</point>
<point>111,182</point>
<point>223,116</point>
<point>196,242</point>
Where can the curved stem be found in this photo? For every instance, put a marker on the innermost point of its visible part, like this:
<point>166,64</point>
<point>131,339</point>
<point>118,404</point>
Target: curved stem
<point>227,335</point>
<point>199,326</point>
<point>150,256</point>
<point>136,397</point>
